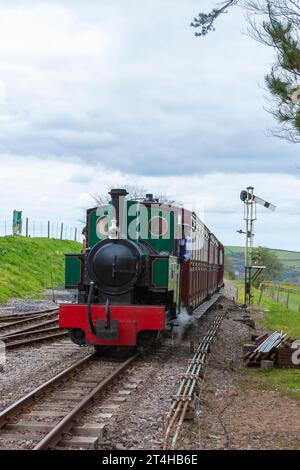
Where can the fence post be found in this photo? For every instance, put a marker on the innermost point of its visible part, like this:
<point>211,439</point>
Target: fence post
<point>75,236</point>
<point>277,298</point>
<point>287,299</point>
<point>27,228</point>
<point>61,230</point>
<point>261,293</point>
<point>48,228</point>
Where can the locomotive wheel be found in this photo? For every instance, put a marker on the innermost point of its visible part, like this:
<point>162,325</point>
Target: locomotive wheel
<point>77,336</point>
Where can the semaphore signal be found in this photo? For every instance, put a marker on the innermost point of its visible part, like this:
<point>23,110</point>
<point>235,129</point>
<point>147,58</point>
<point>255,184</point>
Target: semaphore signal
<point>250,201</point>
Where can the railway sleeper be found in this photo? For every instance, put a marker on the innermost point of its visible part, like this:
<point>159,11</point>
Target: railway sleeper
<point>78,442</point>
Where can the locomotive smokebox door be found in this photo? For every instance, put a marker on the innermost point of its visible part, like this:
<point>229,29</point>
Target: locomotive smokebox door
<point>102,332</point>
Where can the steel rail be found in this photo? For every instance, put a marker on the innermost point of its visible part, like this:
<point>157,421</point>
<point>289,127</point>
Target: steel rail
<point>28,334</point>
<point>37,339</point>
<point>14,318</point>
<point>188,386</point>
<point>66,424</point>
<point>28,399</point>
<point>26,320</point>
<point>27,329</point>
<point>21,316</point>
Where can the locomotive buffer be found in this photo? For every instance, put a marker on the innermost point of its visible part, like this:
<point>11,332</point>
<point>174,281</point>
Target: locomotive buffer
<point>250,215</point>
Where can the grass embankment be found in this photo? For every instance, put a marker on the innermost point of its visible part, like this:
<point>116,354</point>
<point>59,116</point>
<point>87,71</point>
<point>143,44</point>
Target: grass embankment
<point>274,316</point>
<point>27,264</point>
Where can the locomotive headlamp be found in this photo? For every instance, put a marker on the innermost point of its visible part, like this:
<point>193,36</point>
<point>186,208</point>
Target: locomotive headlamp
<point>113,231</point>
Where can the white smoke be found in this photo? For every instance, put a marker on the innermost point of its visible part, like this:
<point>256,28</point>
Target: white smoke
<point>183,321</point>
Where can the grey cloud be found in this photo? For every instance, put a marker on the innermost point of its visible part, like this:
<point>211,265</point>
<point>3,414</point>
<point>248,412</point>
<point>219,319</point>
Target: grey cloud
<point>159,103</point>
<point>81,179</point>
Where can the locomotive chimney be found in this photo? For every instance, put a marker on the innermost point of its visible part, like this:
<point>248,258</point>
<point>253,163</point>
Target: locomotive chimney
<point>118,202</point>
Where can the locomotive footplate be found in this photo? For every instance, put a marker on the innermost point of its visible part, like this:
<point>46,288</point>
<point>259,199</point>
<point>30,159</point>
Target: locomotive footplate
<point>104,332</point>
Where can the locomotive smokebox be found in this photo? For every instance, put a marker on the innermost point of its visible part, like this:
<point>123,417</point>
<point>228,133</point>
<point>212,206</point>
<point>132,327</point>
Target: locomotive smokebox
<point>115,265</point>
<point>118,197</point>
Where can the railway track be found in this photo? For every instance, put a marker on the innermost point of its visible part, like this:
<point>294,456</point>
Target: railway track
<point>13,317</point>
<point>41,419</point>
<point>14,341</point>
<point>32,329</point>
<point>28,320</point>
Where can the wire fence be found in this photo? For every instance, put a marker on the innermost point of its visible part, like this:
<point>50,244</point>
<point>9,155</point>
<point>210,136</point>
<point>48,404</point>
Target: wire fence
<point>42,229</point>
<point>288,297</point>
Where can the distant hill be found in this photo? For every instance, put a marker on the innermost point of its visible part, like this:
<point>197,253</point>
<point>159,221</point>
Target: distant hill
<point>28,265</point>
<point>289,259</point>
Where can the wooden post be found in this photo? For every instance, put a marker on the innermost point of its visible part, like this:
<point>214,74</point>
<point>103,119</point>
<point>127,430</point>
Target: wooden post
<point>27,228</point>
<point>261,294</point>
<point>277,298</point>
<point>61,230</point>
<point>287,299</point>
<point>75,236</point>
<point>48,228</point>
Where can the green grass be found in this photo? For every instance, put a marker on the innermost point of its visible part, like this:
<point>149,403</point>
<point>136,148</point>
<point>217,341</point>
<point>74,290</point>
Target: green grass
<point>283,381</point>
<point>274,316</point>
<point>27,264</point>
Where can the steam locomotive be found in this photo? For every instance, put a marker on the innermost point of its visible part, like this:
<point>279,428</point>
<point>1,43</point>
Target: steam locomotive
<point>142,263</point>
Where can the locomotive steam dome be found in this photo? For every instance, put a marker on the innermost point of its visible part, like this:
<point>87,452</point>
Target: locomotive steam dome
<point>115,265</point>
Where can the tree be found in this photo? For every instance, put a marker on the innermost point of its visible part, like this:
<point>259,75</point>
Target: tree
<point>135,192</point>
<point>265,257</point>
<point>275,24</point>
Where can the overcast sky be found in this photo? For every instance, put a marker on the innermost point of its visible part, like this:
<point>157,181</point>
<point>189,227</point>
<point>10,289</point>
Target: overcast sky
<point>111,92</point>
